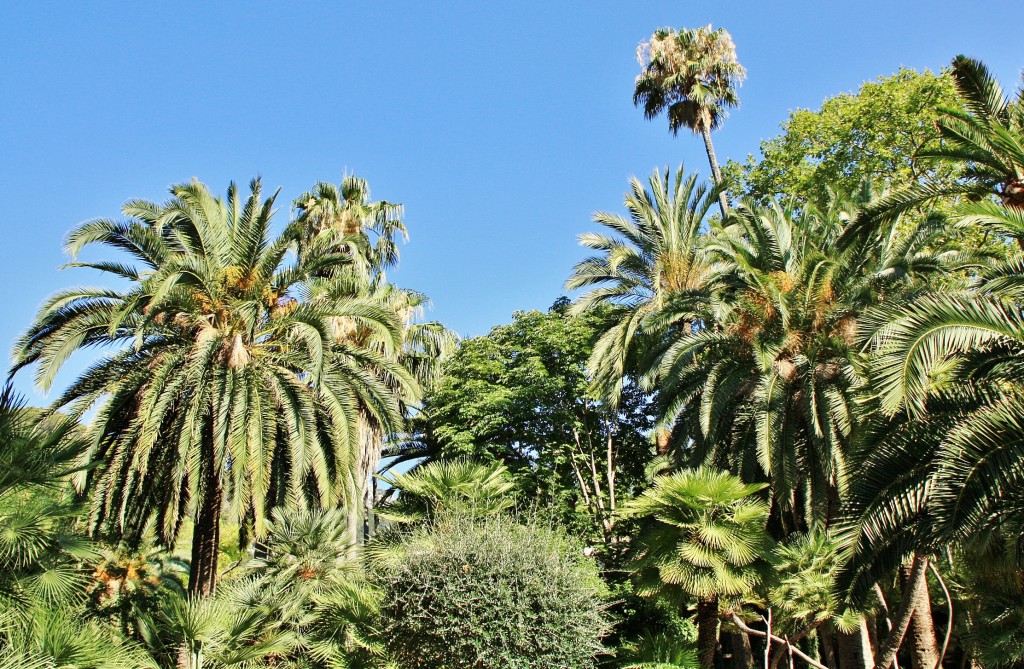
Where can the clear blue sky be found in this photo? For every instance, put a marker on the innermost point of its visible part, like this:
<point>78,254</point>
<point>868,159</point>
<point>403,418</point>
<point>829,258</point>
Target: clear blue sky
<point>500,126</point>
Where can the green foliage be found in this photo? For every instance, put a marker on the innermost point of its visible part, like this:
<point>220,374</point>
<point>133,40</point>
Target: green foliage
<point>519,396</point>
<point>659,651</point>
<point>130,590</point>
<point>707,535</point>
<point>450,486</point>
<point>878,134</point>
<point>215,360</point>
<point>647,260</point>
<point>802,588</point>
<point>470,593</point>
<point>691,74</point>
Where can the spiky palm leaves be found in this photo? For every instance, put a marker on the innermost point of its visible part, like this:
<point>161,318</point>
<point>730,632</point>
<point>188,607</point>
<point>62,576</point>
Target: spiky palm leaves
<point>706,536</point>
<point>450,486</point>
<point>692,75</point>
<point>767,387</point>
<point>366,233</point>
<point>224,381</point>
<point>41,558</point>
<point>39,552</point>
<point>986,138</point>
<point>348,210</point>
<point>649,260</point>
<point>309,587</point>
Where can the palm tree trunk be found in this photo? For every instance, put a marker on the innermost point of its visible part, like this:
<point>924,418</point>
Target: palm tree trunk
<point>915,580</point>
<point>371,443</point>
<point>206,533</point>
<point>855,648</point>
<point>828,648</point>
<point>723,202</point>
<point>707,631</point>
<point>742,654</point>
<point>924,650</point>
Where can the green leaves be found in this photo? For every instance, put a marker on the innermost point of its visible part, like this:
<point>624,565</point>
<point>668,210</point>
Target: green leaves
<point>708,532</point>
<point>234,365</point>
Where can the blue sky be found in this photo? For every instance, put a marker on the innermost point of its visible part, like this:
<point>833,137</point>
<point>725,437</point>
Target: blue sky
<point>500,126</point>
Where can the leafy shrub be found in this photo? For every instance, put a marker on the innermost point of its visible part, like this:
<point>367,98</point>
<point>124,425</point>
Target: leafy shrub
<point>489,593</point>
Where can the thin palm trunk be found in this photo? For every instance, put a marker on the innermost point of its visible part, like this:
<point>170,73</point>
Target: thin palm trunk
<point>716,172</point>
<point>371,445</point>
<point>707,631</point>
<point>924,650</point>
<point>915,580</point>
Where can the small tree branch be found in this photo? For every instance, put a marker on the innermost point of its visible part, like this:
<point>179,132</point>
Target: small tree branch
<point>949,623</point>
<point>738,622</point>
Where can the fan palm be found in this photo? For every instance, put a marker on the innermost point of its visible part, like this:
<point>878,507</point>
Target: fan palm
<point>650,259</point>
<point>707,535</point>
<point>366,232</point>
<point>692,75</point>
<point>450,486</point>
<point>347,209</point>
<point>224,383</point>
<point>39,550</point>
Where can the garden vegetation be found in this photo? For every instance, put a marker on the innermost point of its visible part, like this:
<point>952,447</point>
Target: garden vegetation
<point>779,421</point>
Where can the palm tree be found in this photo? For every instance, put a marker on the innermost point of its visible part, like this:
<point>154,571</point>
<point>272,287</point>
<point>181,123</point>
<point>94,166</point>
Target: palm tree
<point>652,258</point>
<point>366,232</point>
<point>692,75</point>
<point>767,388</point>
<point>347,209</point>
<point>986,138</point>
<point>450,486</point>
<point>224,387</point>
<point>706,536</point>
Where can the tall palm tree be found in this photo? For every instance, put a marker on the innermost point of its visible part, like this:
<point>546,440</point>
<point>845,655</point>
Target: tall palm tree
<point>224,387</point>
<point>692,75</point>
<point>368,228</point>
<point>707,534</point>
<point>366,232</point>
<point>651,259</point>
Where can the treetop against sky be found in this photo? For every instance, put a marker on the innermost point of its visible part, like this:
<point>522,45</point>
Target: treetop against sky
<point>500,127</point>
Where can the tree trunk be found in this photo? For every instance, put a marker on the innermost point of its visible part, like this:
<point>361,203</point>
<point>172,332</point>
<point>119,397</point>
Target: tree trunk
<point>707,631</point>
<point>206,533</point>
<point>361,509</point>
<point>828,648</point>
<point>915,580</point>
<point>723,202</point>
<point>855,648</point>
<point>742,654</point>
<point>924,650</point>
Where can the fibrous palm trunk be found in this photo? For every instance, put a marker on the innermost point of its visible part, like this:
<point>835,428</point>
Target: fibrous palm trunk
<point>707,631</point>
<point>723,201</point>
<point>206,532</point>
<point>371,445</point>
<point>855,648</point>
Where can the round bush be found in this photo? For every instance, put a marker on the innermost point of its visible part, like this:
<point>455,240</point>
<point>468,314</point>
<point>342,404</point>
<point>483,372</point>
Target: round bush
<point>467,594</point>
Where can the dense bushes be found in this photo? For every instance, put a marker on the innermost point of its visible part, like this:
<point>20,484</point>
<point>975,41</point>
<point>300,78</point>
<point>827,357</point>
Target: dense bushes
<point>489,593</point>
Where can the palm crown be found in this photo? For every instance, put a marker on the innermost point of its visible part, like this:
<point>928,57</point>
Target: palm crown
<point>224,379</point>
